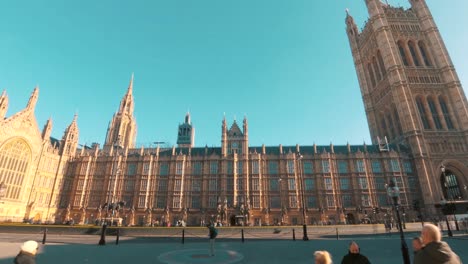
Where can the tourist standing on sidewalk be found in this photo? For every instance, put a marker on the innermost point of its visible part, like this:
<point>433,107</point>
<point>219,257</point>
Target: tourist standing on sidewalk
<point>354,256</point>
<point>435,251</point>
<point>27,254</point>
<point>213,233</point>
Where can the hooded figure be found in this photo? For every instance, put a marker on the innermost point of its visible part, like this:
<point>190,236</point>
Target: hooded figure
<point>28,253</point>
<point>354,256</point>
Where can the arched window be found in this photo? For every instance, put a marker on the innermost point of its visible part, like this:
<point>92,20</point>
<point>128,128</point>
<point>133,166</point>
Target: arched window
<point>371,74</point>
<point>381,64</point>
<point>445,112</point>
<point>422,49</point>
<point>412,49</point>
<point>450,186</point>
<point>383,125</point>
<point>397,121</point>
<point>391,126</point>
<point>402,53</point>
<point>422,113</point>
<point>435,115</point>
<point>15,157</point>
<point>376,69</point>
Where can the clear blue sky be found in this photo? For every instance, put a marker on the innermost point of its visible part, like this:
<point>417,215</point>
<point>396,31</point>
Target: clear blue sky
<point>287,65</point>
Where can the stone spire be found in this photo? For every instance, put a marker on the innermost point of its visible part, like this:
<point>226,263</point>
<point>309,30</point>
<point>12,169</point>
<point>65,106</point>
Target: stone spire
<point>3,105</point>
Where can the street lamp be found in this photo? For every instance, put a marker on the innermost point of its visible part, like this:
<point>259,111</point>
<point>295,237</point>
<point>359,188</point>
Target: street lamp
<point>394,193</point>
<point>301,179</point>
<point>444,207</point>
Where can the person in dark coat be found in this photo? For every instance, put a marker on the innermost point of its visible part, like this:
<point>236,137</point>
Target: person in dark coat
<point>435,251</point>
<point>354,256</point>
<point>213,232</point>
<point>28,252</point>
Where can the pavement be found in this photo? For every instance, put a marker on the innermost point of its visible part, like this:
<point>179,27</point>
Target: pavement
<point>73,249</point>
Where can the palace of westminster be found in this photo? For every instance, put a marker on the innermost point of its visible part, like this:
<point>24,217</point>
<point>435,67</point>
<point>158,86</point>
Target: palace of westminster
<point>418,119</point>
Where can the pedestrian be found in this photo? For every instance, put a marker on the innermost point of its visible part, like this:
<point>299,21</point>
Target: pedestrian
<point>27,253</point>
<point>322,257</point>
<point>435,251</point>
<point>354,255</point>
<point>213,233</point>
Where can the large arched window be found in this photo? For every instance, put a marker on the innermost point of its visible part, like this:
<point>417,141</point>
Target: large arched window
<point>381,63</point>
<point>402,53</point>
<point>422,113</point>
<point>422,49</point>
<point>450,186</point>
<point>391,126</point>
<point>371,74</point>
<point>412,49</point>
<point>15,157</point>
<point>445,112</point>
<point>435,115</point>
<point>397,121</point>
<point>376,69</point>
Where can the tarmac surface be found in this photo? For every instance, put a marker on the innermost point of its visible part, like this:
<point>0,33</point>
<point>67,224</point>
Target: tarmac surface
<point>379,248</point>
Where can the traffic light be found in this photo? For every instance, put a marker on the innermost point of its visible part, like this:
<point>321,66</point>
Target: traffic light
<point>377,210</point>
<point>374,210</point>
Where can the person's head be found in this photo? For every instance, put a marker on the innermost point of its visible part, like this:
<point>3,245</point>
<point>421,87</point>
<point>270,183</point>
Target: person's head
<point>417,243</point>
<point>430,233</point>
<point>30,247</point>
<point>353,248</point>
<point>322,257</point>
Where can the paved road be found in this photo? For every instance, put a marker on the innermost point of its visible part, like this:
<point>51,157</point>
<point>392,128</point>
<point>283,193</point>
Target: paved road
<point>84,249</point>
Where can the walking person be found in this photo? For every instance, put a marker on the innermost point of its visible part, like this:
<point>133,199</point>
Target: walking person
<point>435,251</point>
<point>27,254</point>
<point>213,233</point>
<point>354,255</point>
<point>322,257</point>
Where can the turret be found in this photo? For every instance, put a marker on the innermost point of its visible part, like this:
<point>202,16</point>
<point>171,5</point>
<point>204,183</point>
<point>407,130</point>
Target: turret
<point>245,130</point>
<point>47,130</point>
<point>33,99</point>
<point>186,134</point>
<point>3,105</point>
<point>122,129</point>
<point>352,31</point>
<point>374,7</point>
<point>70,139</point>
<point>224,137</point>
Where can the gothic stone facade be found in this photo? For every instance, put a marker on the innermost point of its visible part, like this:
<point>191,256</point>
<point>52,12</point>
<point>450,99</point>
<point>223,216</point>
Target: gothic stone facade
<point>411,94</point>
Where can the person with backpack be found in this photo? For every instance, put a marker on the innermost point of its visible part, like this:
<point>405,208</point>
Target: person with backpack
<point>213,233</point>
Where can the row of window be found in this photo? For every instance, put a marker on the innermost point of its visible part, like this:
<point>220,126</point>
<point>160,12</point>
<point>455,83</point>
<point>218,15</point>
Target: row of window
<point>343,166</point>
<point>434,115</point>
<point>413,54</point>
<point>376,69</point>
<point>275,202</point>
<point>390,124</point>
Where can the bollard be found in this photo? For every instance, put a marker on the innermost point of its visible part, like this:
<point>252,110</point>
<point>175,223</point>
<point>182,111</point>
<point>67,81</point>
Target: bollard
<point>337,235</point>
<point>45,236</point>
<point>118,236</point>
<point>102,241</point>
<point>183,236</point>
<point>294,235</point>
<point>242,232</point>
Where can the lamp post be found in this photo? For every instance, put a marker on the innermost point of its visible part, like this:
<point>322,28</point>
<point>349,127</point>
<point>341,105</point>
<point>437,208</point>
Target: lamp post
<point>301,179</point>
<point>394,193</point>
<point>451,209</point>
<point>444,207</point>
